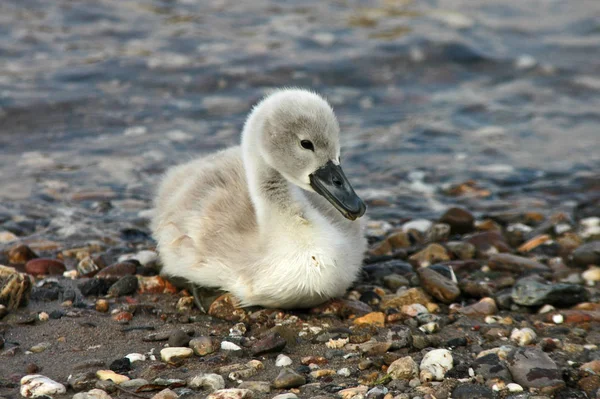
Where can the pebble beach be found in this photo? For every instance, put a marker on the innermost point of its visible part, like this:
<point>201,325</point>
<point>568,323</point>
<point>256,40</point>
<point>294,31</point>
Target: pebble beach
<point>469,130</point>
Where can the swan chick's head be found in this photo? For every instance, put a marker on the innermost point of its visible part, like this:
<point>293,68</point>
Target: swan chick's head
<point>298,135</point>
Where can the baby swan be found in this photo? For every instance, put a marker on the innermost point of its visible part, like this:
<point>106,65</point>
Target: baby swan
<point>272,221</point>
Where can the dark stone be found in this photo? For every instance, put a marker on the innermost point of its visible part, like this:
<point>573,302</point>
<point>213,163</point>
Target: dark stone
<point>121,366</point>
<point>370,298</point>
<point>179,338</point>
<point>529,292</point>
<point>46,294</point>
<point>118,270</point>
<point>95,287</point>
<point>69,294</point>
<point>516,264</point>
<point>377,271</point>
<point>472,391</point>
<point>461,221</point>
<point>456,342</point>
<point>126,285</point>
<point>288,378</point>
<point>271,342</point>
<point>490,366</point>
<point>488,242</point>
<point>82,381</point>
<point>441,269</point>
<point>42,266</point>
<point>532,368</point>
<point>56,314</point>
<point>587,254</point>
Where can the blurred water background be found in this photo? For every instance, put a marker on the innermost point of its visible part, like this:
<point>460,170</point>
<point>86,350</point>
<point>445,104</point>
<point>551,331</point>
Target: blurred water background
<point>494,104</point>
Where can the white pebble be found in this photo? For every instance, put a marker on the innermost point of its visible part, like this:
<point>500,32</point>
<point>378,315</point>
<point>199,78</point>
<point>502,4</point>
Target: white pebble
<point>435,365</point>
<point>229,346</point>
<point>512,387</point>
<point>547,308</point>
<point>558,319</point>
<point>93,394</point>
<point>523,336</point>
<point>525,61</point>
<point>109,375</point>
<point>210,382</point>
<point>169,354</point>
<point>36,385</point>
<point>589,227</point>
<point>136,357</point>
<point>344,372</point>
<point>421,225</point>
<point>283,360</point>
<point>286,396</point>
<point>336,343</point>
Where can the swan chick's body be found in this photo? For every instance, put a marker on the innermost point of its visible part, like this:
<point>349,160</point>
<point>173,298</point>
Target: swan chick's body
<point>271,221</point>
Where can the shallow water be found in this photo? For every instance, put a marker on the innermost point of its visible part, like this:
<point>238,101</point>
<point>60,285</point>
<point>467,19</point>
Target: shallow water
<point>98,97</point>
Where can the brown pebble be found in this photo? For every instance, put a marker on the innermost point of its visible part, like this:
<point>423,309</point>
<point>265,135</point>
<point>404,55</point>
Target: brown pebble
<point>117,270</point>
<point>225,307</point>
<point>32,368</point>
<point>20,254</point>
<point>43,266</point>
<point>102,305</point>
<point>433,253</point>
<point>123,317</point>
<point>485,307</point>
<point>460,220</point>
<point>376,319</point>
<point>438,286</point>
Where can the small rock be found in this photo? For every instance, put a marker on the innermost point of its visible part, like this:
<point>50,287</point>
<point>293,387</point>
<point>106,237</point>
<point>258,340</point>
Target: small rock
<point>288,378</point>
<point>165,394</point>
<point>92,394</point>
<point>126,285</point>
<point>179,338</point>
<point>122,365</point>
<point>134,384</point>
<point>470,391</point>
<point>204,345</point>
<point>462,250</point>
<point>82,381</point>
<point>439,232</point>
<point>407,297</point>
<point>43,266</point>
<point>512,387</point>
<point>395,281</point>
<point>230,346</point>
<point>485,307</point>
<point>587,254</point>
<point>460,220</point>
<point>117,270</point>
<point>592,274</point>
<point>488,243</point>
<point>15,288</point>
<point>256,386</point>
<point>20,254</point>
<point>225,308</point>
<point>155,285</point>
<point>283,361</point>
<point>209,382</point>
<point>529,292</point>
<point>532,368</point>
<point>515,264</point>
<point>491,367</point>
<point>353,393</point>
<point>420,225</point>
<point>123,317</point>
<point>170,355</point>
<point>109,375</point>
<point>38,385</point>
<point>136,357</point>
<point>41,347</point>
<point>376,319</point>
<point>438,286</point>
<point>271,342</point>
<point>344,372</point>
<point>435,365</point>
<point>404,368</point>
<point>232,393</point>
<point>94,287</point>
<point>286,396</point>
<point>102,305</point>
<point>87,267</point>
<point>523,336</point>
<point>433,253</point>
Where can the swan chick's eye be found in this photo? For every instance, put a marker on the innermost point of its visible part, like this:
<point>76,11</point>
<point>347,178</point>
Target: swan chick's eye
<point>307,145</point>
